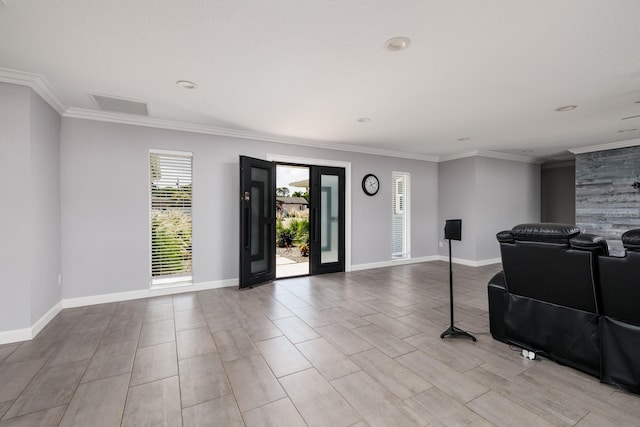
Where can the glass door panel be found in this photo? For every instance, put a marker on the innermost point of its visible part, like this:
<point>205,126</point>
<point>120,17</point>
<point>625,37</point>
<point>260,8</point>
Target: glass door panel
<point>327,219</point>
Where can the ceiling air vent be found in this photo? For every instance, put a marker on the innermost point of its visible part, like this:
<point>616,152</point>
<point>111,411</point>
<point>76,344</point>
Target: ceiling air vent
<point>120,105</point>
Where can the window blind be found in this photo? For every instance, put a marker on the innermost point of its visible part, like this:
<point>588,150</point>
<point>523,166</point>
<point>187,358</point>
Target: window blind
<point>399,217</point>
<point>170,216</point>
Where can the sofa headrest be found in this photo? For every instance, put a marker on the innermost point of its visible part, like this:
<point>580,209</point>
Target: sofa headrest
<point>505,236</point>
<point>546,232</point>
<point>590,242</point>
<point>631,240</point>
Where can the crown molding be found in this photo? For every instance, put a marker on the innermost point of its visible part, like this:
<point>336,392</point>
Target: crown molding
<point>493,155</point>
<point>35,82</point>
<point>39,84</point>
<point>608,146</point>
<point>112,117</point>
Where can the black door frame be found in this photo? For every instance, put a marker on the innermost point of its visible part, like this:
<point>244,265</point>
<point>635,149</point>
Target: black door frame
<point>305,161</point>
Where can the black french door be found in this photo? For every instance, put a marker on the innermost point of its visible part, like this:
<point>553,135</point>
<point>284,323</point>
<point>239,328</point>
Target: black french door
<point>257,221</point>
<point>258,227</point>
<point>326,222</point>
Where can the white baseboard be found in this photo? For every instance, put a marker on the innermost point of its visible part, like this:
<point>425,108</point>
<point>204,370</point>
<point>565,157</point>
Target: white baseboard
<point>27,334</point>
<point>391,263</point>
<point>461,261</point>
<point>16,335</point>
<point>470,263</point>
<point>44,320</point>
<point>147,293</point>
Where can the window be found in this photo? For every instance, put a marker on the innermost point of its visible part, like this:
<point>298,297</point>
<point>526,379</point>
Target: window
<point>400,215</point>
<point>170,216</point>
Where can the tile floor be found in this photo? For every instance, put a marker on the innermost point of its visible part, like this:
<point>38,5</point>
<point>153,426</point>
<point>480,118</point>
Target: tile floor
<point>354,349</point>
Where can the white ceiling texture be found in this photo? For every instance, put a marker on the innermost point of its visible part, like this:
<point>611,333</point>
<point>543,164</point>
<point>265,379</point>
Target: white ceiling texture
<point>478,75</point>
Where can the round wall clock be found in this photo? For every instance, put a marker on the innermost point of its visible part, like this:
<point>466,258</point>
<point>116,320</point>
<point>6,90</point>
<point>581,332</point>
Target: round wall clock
<point>370,184</point>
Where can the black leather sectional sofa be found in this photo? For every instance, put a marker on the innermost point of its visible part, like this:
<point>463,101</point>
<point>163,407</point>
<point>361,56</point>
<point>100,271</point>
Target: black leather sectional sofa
<point>561,295</point>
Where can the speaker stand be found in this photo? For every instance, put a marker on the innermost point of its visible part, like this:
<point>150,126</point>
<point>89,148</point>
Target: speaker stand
<point>452,331</point>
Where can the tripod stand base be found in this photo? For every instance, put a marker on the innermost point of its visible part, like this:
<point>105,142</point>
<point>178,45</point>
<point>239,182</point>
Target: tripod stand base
<point>454,332</point>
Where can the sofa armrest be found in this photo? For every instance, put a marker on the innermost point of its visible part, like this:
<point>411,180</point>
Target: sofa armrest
<point>590,242</point>
<point>498,281</point>
<point>497,291</point>
<point>505,236</point>
<point>631,240</point>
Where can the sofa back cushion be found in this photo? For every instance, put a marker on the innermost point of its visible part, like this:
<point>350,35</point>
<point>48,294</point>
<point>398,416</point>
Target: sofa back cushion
<point>545,232</point>
<point>550,272</point>
<point>620,287</point>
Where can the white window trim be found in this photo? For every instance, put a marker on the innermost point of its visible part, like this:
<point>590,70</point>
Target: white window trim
<point>166,282</point>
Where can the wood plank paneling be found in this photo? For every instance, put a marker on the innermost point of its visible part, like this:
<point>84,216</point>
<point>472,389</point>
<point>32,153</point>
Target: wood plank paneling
<point>607,204</point>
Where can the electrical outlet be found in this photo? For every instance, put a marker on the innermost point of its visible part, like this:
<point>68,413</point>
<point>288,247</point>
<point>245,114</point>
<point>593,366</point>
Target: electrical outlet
<point>440,244</point>
<point>59,279</point>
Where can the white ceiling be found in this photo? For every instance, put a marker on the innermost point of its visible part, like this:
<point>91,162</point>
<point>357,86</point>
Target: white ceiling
<point>493,71</point>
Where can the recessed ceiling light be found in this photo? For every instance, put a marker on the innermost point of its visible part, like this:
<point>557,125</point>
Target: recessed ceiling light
<point>567,108</point>
<point>466,138</point>
<point>186,84</point>
<point>364,119</point>
<point>397,43</point>
<point>627,130</point>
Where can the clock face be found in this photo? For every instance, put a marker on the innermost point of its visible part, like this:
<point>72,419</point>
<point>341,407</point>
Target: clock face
<point>370,184</point>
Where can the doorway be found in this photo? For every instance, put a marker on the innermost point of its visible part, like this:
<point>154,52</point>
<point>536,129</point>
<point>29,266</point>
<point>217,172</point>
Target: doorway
<point>326,229</point>
<point>292,220</point>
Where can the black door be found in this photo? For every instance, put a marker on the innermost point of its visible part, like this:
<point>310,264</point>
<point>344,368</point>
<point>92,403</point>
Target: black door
<point>257,226</point>
<point>326,230</point>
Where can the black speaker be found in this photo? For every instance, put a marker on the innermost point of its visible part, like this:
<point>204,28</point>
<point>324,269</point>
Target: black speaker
<point>453,229</point>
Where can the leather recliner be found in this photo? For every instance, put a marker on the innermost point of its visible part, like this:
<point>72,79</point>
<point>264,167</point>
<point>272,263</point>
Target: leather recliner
<point>620,320</point>
<point>547,297</point>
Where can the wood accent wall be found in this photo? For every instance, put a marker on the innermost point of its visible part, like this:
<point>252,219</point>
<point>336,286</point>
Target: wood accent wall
<point>607,204</point>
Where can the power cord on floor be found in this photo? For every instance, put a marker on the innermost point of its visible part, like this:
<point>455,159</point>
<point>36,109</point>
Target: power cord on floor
<point>527,354</point>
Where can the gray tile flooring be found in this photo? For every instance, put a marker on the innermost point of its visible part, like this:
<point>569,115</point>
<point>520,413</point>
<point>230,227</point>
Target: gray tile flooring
<point>354,349</point>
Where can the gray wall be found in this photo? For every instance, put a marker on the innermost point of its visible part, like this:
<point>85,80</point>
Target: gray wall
<point>105,203</point>
<point>15,304</point>
<point>606,202</point>
<point>45,207</point>
<point>508,194</point>
<point>30,214</point>
<point>457,199</point>
<point>78,197</point>
<point>558,192</point>
<point>489,195</point>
